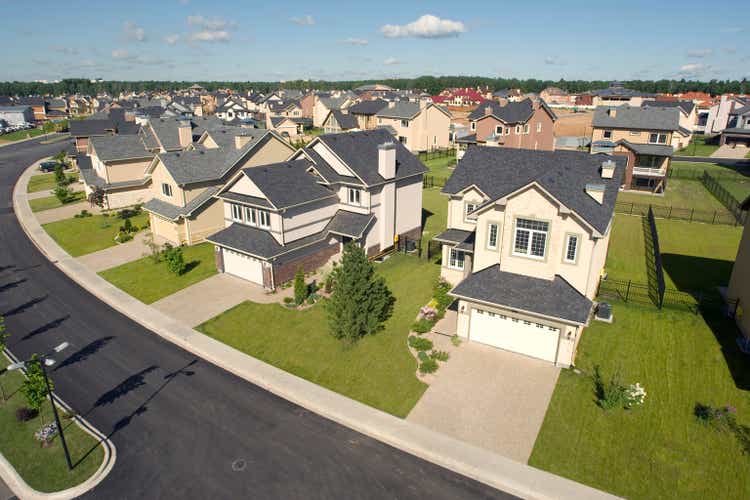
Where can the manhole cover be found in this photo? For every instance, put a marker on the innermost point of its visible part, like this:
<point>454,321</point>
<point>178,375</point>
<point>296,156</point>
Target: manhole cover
<point>239,465</point>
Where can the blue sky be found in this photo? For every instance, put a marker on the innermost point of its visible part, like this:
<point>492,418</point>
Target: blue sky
<point>266,40</point>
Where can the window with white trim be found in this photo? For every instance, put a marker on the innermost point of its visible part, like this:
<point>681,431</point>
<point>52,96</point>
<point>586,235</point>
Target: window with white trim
<point>456,259</point>
<point>166,189</point>
<point>250,216</point>
<point>473,125</point>
<point>518,129</point>
<point>498,130</point>
<point>354,196</point>
<point>607,134</point>
<point>236,212</point>
<point>468,208</point>
<point>657,138</point>
<point>531,238</point>
<point>264,219</point>
<point>492,232</point>
<point>526,128</point>
<point>405,123</point>
<point>538,127</point>
<point>571,248</point>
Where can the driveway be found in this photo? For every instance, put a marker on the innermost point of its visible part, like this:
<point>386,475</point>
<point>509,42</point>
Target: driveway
<point>118,254</point>
<point>208,298</point>
<point>65,212</point>
<point>727,151</point>
<point>488,397</point>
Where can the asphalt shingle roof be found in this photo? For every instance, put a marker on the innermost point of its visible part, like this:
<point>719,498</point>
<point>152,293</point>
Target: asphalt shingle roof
<point>173,212</point>
<point>648,149</point>
<point>367,108</point>
<point>686,106</point>
<point>400,109</point>
<point>498,172</point>
<point>349,223</point>
<point>511,112</point>
<point>119,147</point>
<point>555,298</point>
<point>345,121</point>
<point>258,242</point>
<point>632,118</point>
<point>88,128</point>
<point>287,183</point>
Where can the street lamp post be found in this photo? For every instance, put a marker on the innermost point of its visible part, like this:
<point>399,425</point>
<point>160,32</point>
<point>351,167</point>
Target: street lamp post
<point>45,361</point>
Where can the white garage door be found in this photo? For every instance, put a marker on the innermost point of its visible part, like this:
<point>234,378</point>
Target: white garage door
<point>514,334</point>
<point>243,266</point>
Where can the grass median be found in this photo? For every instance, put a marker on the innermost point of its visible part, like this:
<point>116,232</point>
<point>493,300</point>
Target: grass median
<point>79,236</point>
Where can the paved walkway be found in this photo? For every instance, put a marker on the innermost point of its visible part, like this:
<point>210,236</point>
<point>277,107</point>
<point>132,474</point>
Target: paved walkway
<point>118,254</point>
<point>208,298</point>
<point>64,212</point>
<point>488,397</point>
<point>5,493</point>
<point>75,187</point>
<point>727,151</point>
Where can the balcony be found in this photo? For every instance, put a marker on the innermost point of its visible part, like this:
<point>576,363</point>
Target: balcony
<point>649,172</point>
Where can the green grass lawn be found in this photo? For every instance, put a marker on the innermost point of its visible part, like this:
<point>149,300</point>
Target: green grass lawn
<point>434,212</point>
<point>149,281</point>
<point>44,469</point>
<point>695,256</point>
<point>378,370</point>
<point>698,147</point>
<point>315,131</point>
<point>50,202</point>
<point>90,234</point>
<point>680,193</point>
<point>45,182</point>
<point>441,167</point>
<point>711,168</point>
<point>657,450</point>
<point>21,134</point>
<point>737,188</point>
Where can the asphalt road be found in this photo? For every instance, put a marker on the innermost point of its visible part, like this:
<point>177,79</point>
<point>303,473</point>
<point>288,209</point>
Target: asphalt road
<point>184,428</point>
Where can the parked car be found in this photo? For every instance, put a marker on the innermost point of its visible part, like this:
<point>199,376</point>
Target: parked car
<point>48,166</point>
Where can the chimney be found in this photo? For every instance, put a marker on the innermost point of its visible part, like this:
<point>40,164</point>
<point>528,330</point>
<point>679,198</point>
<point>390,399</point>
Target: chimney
<point>608,169</point>
<point>596,191</point>
<point>391,104</point>
<point>185,133</point>
<point>422,103</point>
<point>387,160</point>
<point>240,140</point>
<point>487,110</point>
<point>612,112</point>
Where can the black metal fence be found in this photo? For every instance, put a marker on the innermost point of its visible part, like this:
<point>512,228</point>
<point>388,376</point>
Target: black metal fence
<point>725,197</point>
<point>653,260</point>
<point>723,217</point>
<point>430,181</point>
<point>696,174</point>
<point>436,153</point>
<point>426,249</point>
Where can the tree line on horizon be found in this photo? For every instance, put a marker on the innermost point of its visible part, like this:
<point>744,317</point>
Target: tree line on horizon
<point>430,84</point>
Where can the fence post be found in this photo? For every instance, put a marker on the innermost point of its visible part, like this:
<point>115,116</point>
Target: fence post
<point>627,292</point>
<point>631,208</point>
<point>713,221</point>
<point>669,216</point>
<point>692,211</point>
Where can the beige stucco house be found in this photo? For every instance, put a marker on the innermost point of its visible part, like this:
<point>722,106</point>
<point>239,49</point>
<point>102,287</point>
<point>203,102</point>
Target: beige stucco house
<point>182,206</point>
<point>356,186</point>
<point>420,126</point>
<point>527,239</point>
<point>738,291</point>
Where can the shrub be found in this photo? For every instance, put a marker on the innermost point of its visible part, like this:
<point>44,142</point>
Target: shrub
<point>419,343</point>
<point>127,227</point>
<point>724,419</point>
<point>328,285</point>
<point>439,355</point>
<point>428,313</point>
<point>300,288</point>
<point>440,292</point>
<point>422,326</point>
<point>60,175</point>
<point>288,300</point>
<point>62,193</point>
<point>609,394</point>
<point>456,340</point>
<point>174,259</point>
<point>122,237</point>
<point>311,299</point>
<point>83,214</point>
<point>127,213</point>
<point>428,366</point>
<point>24,414</point>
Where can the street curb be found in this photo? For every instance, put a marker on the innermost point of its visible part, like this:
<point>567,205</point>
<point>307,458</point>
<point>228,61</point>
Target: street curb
<point>19,141</point>
<point>465,459</point>
<point>22,490</point>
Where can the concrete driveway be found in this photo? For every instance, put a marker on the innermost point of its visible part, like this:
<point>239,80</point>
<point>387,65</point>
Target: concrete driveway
<point>488,397</point>
<point>118,254</point>
<point>727,151</point>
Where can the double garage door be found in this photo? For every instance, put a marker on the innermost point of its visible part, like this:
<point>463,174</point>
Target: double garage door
<point>514,334</point>
<point>243,266</point>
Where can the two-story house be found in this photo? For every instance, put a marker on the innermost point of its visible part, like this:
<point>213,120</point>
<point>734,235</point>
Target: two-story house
<point>526,243</point>
<point>365,111</point>
<point>527,124</point>
<point>688,118</point>
<point>644,135</point>
<point>738,291</point>
<point>358,186</point>
<point>420,126</point>
<point>737,132</point>
<point>182,207</point>
<point>339,121</point>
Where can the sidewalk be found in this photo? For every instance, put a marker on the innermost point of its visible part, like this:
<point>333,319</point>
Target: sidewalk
<point>5,493</point>
<point>65,212</point>
<point>116,255</point>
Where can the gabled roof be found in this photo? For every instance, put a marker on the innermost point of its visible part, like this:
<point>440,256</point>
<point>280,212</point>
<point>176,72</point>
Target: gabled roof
<point>119,147</point>
<point>367,108</point>
<point>173,212</point>
<point>511,112</point>
<point>345,121</point>
<point>637,118</point>
<point>88,128</point>
<point>647,149</point>
<point>554,298</point>
<point>288,183</point>
<point>499,172</point>
<point>167,131</point>
<point>400,109</point>
<point>686,106</point>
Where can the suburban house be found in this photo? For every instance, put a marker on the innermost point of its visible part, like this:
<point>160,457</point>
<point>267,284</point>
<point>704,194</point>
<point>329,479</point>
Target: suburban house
<point>359,186</point>
<point>232,109</point>
<point>339,121</point>
<point>182,206</point>
<point>739,282</point>
<point>688,118</point>
<point>737,132</point>
<point>459,97</point>
<point>38,105</point>
<point>420,126</point>
<point>617,95</point>
<point>365,111</point>
<point>527,239</point>
<point>720,113</point>
<point>16,115</point>
<point>644,135</point>
<point>100,125</point>
<point>527,124</point>
<point>323,105</point>
<point>283,125</point>
<point>555,96</point>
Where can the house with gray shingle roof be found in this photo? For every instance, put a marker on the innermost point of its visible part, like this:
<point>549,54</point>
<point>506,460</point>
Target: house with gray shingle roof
<point>298,213</point>
<point>339,121</point>
<point>420,125</point>
<point>645,135</point>
<point>527,239</point>
<point>181,202</point>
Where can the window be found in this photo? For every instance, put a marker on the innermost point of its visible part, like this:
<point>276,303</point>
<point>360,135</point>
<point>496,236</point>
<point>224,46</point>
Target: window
<point>380,121</point>
<point>657,138</point>
<point>634,132</point>
<point>264,219</point>
<point>538,127</point>
<point>468,208</point>
<point>456,259</point>
<point>492,236</point>
<point>607,134</point>
<point>526,128</point>
<point>402,139</point>
<point>236,212</point>
<point>571,248</point>
<point>498,130</point>
<point>473,125</point>
<point>166,189</point>
<point>405,123</point>
<point>518,129</point>
<point>250,216</point>
<point>531,238</point>
<point>434,139</point>
<point>354,196</point>
<point>507,130</point>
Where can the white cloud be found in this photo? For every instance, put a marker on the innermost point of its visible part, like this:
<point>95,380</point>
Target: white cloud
<point>70,51</point>
<point>172,39</point>
<point>210,36</point>
<point>134,32</point>
<point>209,23</point>
<point>121,54</point>
<point>391,61</point>
<point>553,61</point>
<point>693,69</point>
<point>427,26</point>
<point>303,21</point>
<point>700,53</point>
<point>354,41</point>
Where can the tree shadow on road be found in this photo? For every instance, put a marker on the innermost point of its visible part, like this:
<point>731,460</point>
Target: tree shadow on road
<point>84,353</point>
<point>26,305</point>
<point>46,327</point>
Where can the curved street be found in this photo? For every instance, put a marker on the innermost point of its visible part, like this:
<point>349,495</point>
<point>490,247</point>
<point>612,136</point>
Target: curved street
<point>179,423</point>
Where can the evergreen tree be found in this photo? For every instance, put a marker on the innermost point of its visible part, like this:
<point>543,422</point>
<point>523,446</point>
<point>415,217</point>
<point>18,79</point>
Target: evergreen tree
<point>360,302</point>
<point>34,388</point>
<point>300,289</point>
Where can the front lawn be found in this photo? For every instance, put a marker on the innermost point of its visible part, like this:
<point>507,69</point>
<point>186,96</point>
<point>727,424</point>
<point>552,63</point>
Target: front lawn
<point>46,182</point>
<point>50,202</point>
<point>740,189</point>
<point>149,281</point>
<point>698,147</point>
<point>680,193</point>
<point>696,168</point>
<point>434,212</point>
<point>21,134</point>
<point>44,469</point>
<point>89,234</point>
<point>378,370</point>
<point>441,167</point>
<point>657,450</point>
